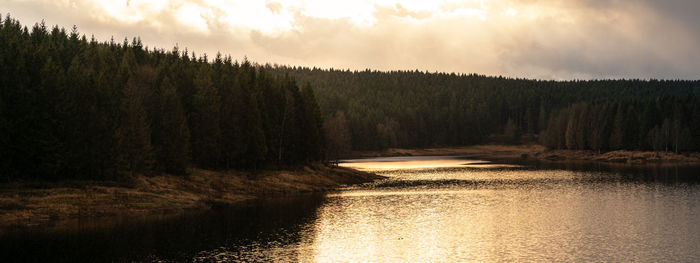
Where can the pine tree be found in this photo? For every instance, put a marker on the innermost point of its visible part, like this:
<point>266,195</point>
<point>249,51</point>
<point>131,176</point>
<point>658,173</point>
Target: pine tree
<point>313,124</point>
<point>582,119</point>
<point>695,125</point>
<point>571,127</point>
<point>134,130</point>
<point>666,132</point>
<point>204,121</point>
<point>257,148</point>
<point>542,119</point>
<point>337,135</point>
<point>617,138</point>
<point>171,133</point>
<point>647,121</point>
<point>5,142</point>
<point>52,110</point>
<point>597,127</point>
<point>234,138</point>
<point>530,121</point>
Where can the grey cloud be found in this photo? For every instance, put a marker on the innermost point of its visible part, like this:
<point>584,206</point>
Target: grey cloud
<point>601,46</point>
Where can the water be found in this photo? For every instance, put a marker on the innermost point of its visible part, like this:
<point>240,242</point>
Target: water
<point>429,209</point>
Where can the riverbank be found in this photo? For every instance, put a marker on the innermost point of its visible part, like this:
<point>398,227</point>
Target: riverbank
<point>25,204</point>
<point>540,153</point>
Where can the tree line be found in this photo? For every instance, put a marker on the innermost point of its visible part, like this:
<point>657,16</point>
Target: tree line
<point>421,109</point>
<point>73,107</point>
<point>665,124</point>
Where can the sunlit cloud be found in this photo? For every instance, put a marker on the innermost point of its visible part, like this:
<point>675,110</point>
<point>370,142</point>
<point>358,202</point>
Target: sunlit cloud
<point>520,38</point>
<point>191,15</point>
<point>129,11</point>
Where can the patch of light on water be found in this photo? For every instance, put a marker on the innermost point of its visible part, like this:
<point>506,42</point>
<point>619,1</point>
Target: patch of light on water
<point>422,162</point>
<point>388,193</point>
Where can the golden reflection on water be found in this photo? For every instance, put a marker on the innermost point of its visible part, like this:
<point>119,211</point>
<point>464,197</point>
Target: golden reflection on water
<point>394,163</point>
<point>538,216</point>
<point>424,229</point>
<point>427,209</point>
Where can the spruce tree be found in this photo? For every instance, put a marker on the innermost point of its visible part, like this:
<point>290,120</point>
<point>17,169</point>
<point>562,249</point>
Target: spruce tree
<point>171,134</point>
<point>313,124</point>
<point>134,131</point>
<point>617,138</point>
<point>204,120</point>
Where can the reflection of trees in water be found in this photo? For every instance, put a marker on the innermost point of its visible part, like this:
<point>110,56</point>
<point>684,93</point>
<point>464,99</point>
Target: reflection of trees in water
<point>642,173</point>
<point>182,238</point>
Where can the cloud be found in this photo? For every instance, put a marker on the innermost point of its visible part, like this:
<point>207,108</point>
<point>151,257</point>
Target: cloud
<point>520,38</point>
<point>273,6</point>
<point>399,11</point>
<point>603,41</point>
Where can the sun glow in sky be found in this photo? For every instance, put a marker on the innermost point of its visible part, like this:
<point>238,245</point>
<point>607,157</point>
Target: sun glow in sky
<point>519,38</point>
<point>272,17</point>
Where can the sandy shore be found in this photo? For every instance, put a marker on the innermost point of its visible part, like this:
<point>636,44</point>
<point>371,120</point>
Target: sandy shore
<point>41,203</point>
<point>540,153</point>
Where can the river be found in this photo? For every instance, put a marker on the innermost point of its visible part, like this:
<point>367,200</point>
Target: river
<point>428,209</point>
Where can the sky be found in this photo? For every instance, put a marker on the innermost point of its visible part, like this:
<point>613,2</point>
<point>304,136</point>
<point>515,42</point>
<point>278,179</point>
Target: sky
<point>554,39</point>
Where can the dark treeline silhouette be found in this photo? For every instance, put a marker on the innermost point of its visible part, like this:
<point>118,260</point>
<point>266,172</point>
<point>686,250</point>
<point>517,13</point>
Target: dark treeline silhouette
<point>419,109</point>
<point>664,124</point>
<point>75,108</point>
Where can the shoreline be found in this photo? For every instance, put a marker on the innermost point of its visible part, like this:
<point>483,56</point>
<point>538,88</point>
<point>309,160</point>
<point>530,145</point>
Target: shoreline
<point>44,204</point>
<point>39,204</point>
<point>538,153</point>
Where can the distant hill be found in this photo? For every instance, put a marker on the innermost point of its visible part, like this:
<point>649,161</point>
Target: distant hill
<point>420,109</point>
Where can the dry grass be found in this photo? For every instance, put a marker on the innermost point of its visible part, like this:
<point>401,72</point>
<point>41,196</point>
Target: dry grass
<point>26,204</point>
<point>538,152</point>
<point>481,151</point>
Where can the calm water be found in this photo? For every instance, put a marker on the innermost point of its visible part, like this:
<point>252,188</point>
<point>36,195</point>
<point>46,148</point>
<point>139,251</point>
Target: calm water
<point>429,209</point>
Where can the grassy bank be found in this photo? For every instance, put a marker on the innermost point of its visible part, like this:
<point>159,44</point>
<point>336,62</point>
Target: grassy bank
<point>540,153</point>
<point>40,203</point>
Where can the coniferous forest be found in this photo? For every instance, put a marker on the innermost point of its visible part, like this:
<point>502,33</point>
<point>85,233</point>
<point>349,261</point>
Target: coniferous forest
<point>73,107</point>
<point>420,109</point>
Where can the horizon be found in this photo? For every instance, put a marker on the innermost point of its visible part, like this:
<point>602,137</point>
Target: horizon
<point>574,40</point>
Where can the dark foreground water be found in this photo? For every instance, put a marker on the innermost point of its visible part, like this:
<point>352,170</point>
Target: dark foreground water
<point>430,209</point>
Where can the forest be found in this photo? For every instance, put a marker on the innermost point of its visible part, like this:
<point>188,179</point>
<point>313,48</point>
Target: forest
<point>71,107</point>
<point>419,109</point>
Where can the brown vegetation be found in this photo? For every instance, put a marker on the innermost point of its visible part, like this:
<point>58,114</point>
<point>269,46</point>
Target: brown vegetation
<point>541,153</point>
<point>27,204</point>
